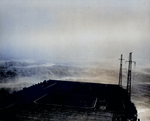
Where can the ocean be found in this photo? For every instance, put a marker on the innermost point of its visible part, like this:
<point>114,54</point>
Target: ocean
<point>15,75</point>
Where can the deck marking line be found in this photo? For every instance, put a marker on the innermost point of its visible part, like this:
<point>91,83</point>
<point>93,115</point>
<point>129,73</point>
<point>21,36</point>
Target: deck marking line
<point>50,85</point>
<point>40,98</point>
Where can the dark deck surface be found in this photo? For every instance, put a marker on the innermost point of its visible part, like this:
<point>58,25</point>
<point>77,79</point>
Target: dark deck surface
<point>67,97</point>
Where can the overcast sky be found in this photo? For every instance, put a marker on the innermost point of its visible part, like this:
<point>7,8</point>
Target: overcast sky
<point>73,30</point>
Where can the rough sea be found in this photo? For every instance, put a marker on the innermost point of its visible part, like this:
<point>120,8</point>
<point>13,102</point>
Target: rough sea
<point>15,75</point>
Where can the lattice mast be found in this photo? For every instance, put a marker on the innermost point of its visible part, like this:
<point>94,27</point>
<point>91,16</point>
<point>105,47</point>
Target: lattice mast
<point>129,74</point>
<point>120,72</point>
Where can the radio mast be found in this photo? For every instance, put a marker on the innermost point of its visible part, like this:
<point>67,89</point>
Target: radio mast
<point>129,74</point>
<point>120,72</point>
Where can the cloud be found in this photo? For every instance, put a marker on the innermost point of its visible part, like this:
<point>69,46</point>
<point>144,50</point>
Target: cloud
<point>74,30</point>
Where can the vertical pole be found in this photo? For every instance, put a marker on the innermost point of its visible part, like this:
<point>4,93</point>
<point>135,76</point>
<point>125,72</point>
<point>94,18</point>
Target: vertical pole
<point>120,72</point>
<point>129,75</point>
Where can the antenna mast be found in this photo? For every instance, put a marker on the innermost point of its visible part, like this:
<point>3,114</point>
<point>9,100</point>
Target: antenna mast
<point>120,73</point>
<point>129,74</point>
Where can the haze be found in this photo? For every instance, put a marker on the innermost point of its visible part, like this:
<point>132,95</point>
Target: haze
<point>80,30</point>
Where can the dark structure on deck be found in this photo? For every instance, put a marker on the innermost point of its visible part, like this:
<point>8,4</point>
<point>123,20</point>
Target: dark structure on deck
<point>66,100</point>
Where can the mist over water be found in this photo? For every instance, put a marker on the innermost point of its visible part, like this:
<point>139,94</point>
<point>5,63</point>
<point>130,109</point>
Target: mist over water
<point>81,41</point>
<point>19,74</point>
<point>141,93</point>
<point>15,75</point>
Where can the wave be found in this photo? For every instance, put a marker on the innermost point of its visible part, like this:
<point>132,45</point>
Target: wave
<point>17,75</point>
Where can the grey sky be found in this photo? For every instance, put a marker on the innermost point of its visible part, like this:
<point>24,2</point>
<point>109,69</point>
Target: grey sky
<point>67,30</point>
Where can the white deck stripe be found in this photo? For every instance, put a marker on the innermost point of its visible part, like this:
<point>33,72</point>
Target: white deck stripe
<point>50,85</point>
<point>39,98</point>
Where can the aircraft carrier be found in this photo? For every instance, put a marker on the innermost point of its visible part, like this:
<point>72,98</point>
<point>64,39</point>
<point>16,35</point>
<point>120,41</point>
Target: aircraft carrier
<point>70,101</point>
